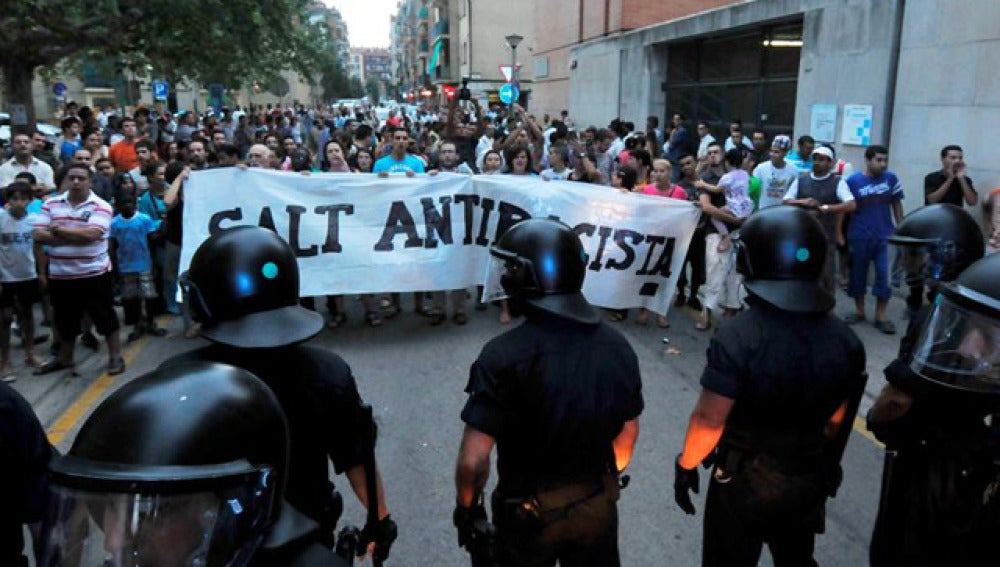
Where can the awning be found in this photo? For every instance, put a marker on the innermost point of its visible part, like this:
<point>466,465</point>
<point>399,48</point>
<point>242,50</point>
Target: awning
<point>435,57</point>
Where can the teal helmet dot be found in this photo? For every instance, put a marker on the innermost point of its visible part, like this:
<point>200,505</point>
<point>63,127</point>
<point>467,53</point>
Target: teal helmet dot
<point>802,254</point>
<point>270,270</point>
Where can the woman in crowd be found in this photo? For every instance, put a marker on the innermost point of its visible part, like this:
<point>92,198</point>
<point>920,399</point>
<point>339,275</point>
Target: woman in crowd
<point>362,161</point>
<point>172,152</point>
<point>93,141</point>
<point>122,185</point>
<point>492,162</point>
<point>660,187</point>
<point>519,161</point>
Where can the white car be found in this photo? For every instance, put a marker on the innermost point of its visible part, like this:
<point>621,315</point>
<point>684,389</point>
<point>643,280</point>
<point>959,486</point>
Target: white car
<point>51,132</point>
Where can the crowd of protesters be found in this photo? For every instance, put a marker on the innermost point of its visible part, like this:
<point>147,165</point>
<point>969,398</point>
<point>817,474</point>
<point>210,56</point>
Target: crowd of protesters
<point>97,218</point>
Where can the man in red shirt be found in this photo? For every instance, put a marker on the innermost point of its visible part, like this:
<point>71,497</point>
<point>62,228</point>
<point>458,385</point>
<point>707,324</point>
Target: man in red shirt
<point>122,153</point>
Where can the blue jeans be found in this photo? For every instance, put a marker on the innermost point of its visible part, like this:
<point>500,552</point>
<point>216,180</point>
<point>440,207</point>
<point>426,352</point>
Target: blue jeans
<point>864,251</point>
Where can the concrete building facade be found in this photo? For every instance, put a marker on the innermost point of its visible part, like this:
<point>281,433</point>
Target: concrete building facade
<point>561,26</point>
<point>911,74</point>
<point>442,42</point>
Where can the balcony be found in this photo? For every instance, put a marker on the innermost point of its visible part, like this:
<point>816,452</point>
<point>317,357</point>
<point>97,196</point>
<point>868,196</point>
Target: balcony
<point>440,29</point>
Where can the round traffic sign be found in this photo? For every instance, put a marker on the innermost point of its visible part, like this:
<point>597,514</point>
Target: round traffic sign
<point>59,89</point>
<point>509,93</point>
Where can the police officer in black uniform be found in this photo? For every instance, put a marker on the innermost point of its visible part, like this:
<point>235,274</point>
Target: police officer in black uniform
<point>243,286</point>
<point>938,463</point>
<point>24,454</point>
<point>181,467</point>
<point>779,392</point>
<point>560,397</point>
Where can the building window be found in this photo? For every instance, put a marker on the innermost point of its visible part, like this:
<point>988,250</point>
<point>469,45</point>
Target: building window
<point>748,75</point>
<point>541,65</point>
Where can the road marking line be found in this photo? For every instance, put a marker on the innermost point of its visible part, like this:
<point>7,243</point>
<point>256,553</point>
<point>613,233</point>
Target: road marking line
<point>69,418</point>
<point>861,427</point>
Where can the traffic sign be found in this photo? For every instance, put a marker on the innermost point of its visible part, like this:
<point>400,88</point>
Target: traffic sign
<point>509,93</point>
<point>160,90</point>
<point>505,70</point>
<point>59,89</point>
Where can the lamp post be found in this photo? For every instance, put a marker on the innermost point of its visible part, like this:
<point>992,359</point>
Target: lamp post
<point>513,40</point>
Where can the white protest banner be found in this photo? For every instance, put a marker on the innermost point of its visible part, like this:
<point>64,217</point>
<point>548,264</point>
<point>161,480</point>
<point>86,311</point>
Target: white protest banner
<point>356,233</point>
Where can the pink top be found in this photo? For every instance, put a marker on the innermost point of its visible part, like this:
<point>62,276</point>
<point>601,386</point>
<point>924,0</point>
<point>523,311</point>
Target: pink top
<point>676,192</point>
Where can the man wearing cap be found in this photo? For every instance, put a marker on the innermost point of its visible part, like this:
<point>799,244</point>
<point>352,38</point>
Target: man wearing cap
<point>776,175</point>
<point>827,196</point>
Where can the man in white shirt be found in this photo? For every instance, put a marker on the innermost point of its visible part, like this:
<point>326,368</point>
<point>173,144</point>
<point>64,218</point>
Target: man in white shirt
<point>705,138</point>
<point>24,160</point>
<point>829,197</point>
<point>776,175</point>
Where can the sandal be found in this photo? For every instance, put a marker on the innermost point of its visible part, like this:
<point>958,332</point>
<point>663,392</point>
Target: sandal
<point>53,365</point>
<point>616,316</point>
<point>703,325</point>
<point>373,319</point>
<point>886,326</point>
<point>662,322</point>
<point>336,320</point>
<point>854,318</point>
<point>116,366</point>
<point>642,319</point>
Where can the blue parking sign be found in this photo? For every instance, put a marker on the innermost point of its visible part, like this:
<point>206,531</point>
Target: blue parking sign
<point>160,90</point>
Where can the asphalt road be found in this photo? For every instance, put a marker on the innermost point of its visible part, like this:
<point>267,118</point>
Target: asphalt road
<point>414,375</point>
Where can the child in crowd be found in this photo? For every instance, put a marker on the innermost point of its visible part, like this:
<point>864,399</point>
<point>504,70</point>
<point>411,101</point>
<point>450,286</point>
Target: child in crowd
<point>735,185</point>
<point>129,236</point>
<point>19,287</point>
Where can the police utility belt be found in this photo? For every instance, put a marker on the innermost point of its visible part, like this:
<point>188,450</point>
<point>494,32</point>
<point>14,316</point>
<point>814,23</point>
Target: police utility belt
<point>549,505</point>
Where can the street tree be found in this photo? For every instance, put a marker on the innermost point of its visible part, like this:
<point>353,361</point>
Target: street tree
<point>226,41</point>
<point>373,90</point>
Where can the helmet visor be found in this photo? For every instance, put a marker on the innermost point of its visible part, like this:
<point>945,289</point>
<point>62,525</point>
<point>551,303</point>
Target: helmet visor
<point>133,529</point>
<point>959,347</point>
<point>911,263</point>
<point>503,272</point>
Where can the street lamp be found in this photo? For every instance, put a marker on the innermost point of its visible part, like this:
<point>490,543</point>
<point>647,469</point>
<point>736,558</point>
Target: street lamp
<point>512,41</point>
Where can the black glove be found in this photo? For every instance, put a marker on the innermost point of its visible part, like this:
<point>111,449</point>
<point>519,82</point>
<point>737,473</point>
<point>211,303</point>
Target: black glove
<point>382,534</point>
<point>465,521</point>
<point>684,480</point>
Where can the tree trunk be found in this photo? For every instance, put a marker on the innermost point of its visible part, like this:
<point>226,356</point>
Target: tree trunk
<point>17,78</point>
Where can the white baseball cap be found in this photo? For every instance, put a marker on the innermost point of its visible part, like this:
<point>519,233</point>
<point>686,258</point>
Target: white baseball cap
<point>824,151</point>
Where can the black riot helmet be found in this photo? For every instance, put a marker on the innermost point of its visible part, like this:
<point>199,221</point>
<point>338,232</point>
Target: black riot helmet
<point>542,262</point>
<point>937,242</point>
<point>781,252</point>
<point>183,466</point>
<point>959,346</point>
<point>243,285</point>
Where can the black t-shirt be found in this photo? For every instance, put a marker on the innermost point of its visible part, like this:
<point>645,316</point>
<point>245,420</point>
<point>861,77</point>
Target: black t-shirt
<point>466,150</point>
<point>24,453</point>
<point>174,231</point>
<point>321,402</point>
<point>554,394</point>
<point>787,372</point>
<point>954,195</point>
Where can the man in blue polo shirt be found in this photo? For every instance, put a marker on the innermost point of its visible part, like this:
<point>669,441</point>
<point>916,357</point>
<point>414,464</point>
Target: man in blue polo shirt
<point>399,161</point>
<point>878,194</point>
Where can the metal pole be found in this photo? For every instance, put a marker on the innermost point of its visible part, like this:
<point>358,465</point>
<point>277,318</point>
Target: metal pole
<point>513,81</point>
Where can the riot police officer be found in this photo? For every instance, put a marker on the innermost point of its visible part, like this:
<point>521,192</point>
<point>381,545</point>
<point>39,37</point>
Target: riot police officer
<point>25,454</point>
<point>243,286</point>
<point>181,467</point>
<point>779,392</point>
<point>560,397</point>
<point>938,463</point>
